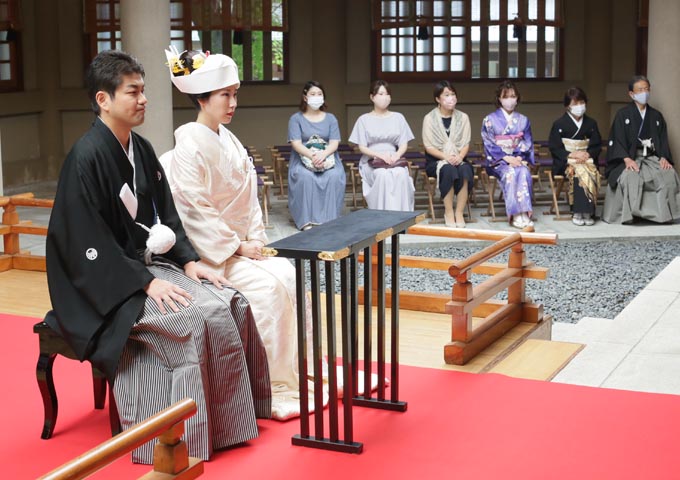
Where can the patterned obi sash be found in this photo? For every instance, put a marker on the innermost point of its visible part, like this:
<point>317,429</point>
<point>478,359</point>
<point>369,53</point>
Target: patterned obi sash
<point>509,143</point>
<point>572,145</point>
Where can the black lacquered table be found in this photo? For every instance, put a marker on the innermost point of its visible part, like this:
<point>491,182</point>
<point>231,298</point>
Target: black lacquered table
<point>342,240</point>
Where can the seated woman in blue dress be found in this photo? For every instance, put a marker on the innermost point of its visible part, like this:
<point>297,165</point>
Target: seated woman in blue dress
<point>316,177</point>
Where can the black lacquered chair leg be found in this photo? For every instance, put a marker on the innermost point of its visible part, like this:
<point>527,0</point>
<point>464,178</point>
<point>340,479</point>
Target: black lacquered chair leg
<point>48,393</point>
<point>99,388</point>
<point>114,418</point>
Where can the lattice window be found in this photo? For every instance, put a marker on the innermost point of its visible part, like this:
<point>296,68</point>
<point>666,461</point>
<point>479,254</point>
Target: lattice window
<point>466,39</point>
<point>252,32</point>
<point>10,46</point>
<point>102,18</point>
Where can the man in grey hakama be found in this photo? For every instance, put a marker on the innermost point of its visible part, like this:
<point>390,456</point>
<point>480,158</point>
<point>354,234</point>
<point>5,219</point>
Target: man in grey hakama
<point>642,180</point>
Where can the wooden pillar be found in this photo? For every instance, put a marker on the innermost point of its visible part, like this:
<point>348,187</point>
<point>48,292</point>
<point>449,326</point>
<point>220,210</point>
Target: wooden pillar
<point>597,51</point>
<point>663,71</point>
<point>145,34</point>
<point>48,70</point>
<point>327,55</point>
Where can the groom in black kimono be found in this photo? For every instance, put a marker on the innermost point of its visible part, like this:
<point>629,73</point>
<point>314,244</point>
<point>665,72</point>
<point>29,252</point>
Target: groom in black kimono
<point>97,283</point>
<point>152,326</point>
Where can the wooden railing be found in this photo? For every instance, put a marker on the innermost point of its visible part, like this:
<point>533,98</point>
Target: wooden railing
<point>11,227</point>
<point>171,458</point>
<point>477,319</point>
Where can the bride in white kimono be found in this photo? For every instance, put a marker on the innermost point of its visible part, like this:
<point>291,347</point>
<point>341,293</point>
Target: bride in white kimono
<point>214,185</point>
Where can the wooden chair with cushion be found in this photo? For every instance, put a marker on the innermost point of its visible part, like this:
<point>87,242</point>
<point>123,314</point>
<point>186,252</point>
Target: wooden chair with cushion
<point>51,345</point>
<point>263,181</point>
<point>430,184</point>
<point>350,160</point>
<point>557,184</point>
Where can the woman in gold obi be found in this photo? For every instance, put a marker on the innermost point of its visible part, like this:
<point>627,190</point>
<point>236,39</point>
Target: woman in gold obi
<point>575,144</point>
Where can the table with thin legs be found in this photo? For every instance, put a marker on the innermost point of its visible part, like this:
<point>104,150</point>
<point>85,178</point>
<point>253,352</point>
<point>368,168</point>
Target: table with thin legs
<point>341,241</point>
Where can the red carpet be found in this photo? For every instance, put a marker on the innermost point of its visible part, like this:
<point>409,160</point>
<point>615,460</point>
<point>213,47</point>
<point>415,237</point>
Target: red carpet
<point>457,425</point>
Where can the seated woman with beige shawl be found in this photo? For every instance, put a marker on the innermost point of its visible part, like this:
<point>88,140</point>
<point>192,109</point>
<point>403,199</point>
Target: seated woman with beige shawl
<point>446,136</point>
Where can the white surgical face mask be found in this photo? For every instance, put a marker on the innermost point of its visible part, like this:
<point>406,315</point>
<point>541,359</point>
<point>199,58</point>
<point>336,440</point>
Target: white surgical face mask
<point>449,102</point>
<point>509,103</point>
<point>315,102</point>
<point>578,110</point>
<point>641,97</point>
<point>382,101</point>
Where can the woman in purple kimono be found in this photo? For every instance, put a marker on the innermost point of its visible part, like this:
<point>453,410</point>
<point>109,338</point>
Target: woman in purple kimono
<point>508,147</point>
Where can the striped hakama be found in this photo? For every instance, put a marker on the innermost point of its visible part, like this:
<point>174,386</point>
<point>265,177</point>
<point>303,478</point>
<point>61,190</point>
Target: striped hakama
<point>210,352</point>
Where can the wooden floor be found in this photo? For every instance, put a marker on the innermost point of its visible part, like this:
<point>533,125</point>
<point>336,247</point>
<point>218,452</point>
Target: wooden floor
<point>24,293</point>
<point>422,335</point>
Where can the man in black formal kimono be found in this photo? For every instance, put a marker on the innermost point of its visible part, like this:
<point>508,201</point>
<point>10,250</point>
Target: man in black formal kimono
<point>642,180</point>
<point>152,327</point>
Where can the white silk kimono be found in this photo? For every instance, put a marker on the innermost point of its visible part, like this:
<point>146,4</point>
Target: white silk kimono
<point>214,185</point>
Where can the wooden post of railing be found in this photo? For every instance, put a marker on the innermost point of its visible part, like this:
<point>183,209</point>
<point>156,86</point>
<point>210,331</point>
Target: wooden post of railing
<point>5,259</point>
<point>461,321</point>
<point>517,259</point>
<point>171,455</point>
<point>171,458</point>
<point>10,216</point>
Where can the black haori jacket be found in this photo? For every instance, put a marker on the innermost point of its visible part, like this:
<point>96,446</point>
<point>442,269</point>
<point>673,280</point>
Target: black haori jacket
<point>95,276</point>
<point>623,137</point>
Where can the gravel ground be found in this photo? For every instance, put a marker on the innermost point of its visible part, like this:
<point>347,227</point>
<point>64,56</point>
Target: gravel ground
<point>587,279</point>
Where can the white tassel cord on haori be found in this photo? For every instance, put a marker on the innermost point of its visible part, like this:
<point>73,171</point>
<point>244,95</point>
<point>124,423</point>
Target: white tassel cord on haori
<point>161,240</point>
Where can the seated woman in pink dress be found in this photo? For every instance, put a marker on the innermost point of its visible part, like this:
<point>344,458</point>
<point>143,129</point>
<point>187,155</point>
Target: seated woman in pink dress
<point>508,147</point>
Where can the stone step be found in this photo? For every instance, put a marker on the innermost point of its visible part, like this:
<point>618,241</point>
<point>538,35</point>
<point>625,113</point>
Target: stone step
<point>537,359</point>
<point>587,329</point>
<point>594,364</point>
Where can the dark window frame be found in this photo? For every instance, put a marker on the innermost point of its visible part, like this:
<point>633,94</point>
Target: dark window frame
<point>212,24</point>
<point>10,35</point>
<point>421,17</point>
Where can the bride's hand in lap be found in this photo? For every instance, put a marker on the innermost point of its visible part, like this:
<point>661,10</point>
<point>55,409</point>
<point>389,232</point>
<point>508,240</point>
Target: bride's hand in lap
<point>251,249</point>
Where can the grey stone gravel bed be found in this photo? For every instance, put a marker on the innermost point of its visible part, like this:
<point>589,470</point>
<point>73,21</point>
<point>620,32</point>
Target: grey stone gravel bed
<point>587,279</point>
